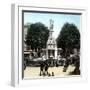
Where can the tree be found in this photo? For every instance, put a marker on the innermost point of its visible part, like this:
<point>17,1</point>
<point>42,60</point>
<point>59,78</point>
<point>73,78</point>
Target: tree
<point>37,35</point>
<point>69,38</point>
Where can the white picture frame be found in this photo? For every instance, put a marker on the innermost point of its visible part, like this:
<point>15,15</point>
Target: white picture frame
<point>16,54</point>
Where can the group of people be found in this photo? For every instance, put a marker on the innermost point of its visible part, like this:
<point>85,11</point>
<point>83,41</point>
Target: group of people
<point>71,60</point>
<point>44,66</point>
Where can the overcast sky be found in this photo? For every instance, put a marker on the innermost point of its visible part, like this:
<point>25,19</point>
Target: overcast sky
<point>59,20</point>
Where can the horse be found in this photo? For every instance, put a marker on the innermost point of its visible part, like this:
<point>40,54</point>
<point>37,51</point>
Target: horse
<point>77,65</point>
<point>66,64</point>
<point>74,60</point>
<point>44,68</point>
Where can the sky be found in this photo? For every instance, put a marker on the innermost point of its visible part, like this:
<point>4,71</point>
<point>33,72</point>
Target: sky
<point>59,20</point>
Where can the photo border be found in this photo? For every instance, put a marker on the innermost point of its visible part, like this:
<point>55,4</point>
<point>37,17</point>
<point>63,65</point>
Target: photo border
<point>16,53</point>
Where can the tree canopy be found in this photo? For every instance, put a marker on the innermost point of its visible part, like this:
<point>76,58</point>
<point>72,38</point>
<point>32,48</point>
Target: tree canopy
<point>69,37</point>
<point>37,35</point>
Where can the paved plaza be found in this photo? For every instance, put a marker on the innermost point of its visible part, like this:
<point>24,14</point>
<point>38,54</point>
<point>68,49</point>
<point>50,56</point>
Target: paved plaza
<point>58,71</point>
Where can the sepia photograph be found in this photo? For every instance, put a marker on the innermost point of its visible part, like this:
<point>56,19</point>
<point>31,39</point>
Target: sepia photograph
<point>51,44</point>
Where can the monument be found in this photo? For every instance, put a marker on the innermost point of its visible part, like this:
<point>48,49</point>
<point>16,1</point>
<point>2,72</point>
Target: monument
<point>51,47</point>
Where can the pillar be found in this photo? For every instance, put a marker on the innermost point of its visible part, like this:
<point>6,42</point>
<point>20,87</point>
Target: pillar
<point>55,53</point>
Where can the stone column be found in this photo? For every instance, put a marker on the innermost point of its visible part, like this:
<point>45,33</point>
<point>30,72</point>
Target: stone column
<point>55,53</point>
